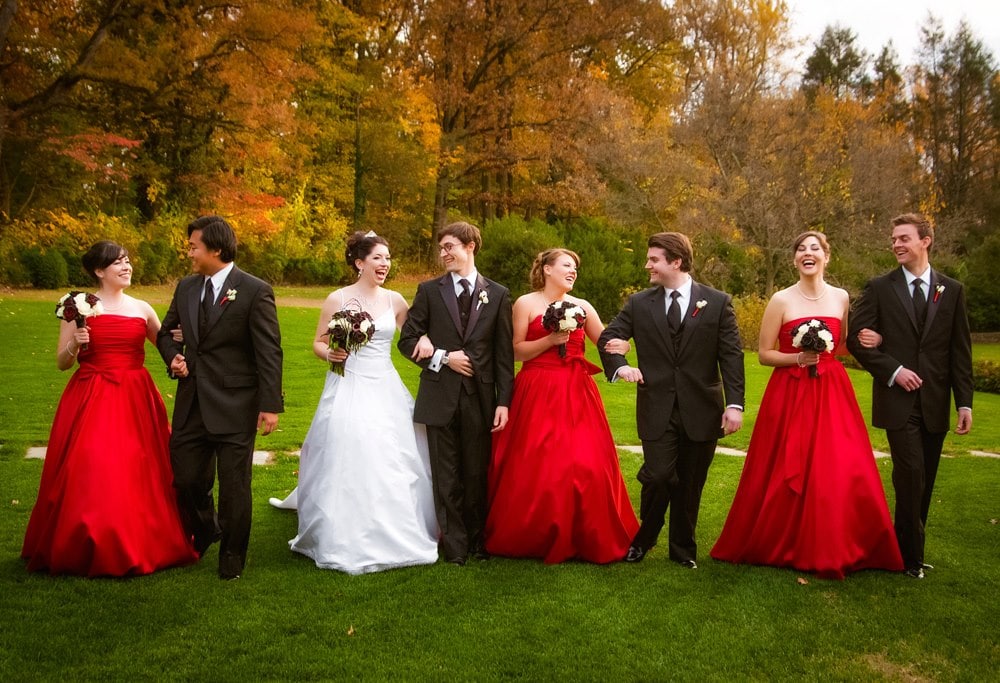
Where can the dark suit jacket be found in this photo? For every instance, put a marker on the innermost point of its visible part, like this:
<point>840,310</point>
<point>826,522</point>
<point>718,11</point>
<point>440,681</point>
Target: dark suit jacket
<point>488,341</point>
<point>234,365</point>
<point>709,347</point>
<point>942,355</point>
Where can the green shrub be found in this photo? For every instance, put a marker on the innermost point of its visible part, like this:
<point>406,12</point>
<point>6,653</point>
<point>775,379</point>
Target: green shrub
<point>47,269</point>
<point>749,313</point>
<point>510,246</point>
<point>611,263</point>
<point>314,271</point>
<point>986,376</point>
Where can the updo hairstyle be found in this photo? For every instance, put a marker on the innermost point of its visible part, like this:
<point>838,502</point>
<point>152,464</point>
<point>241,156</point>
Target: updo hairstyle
<point>359,245</point>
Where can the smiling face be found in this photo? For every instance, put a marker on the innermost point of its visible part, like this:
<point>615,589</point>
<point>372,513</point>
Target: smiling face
<point>561,272</point>
<point>911,250</point>
<point>375,266</point>
<point>810,257</point>
<point>204,261</point>
<point>662,271</point>
<point>456,257</point>
<point>117,274</point>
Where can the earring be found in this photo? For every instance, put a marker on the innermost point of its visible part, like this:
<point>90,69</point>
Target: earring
<point>360,272</point>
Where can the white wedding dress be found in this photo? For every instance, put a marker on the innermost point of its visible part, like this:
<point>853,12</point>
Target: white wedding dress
<point>364,498</point>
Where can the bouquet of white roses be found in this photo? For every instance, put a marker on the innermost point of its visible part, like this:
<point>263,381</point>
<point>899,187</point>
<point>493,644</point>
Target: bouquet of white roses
<point>349,330</point>
<point>563,316</point>
<point>814,336</point>
<point>77,306</point>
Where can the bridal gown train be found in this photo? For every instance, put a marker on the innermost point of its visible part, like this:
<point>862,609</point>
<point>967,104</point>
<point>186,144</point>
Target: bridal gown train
<point>364,498</point>
<point>810,496</point>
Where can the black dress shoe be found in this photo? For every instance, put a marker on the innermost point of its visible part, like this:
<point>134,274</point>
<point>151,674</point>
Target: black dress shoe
<point>480,555</point>
<point>915,572</point>
<point>635,553</point>
<point>229,577</point>
<point>688,564</point>
<point>457,561</point>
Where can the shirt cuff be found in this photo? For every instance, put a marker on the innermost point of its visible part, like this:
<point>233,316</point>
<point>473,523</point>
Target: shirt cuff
<point>435,363</point>
<point>892,380</point>
<point>735,405</point>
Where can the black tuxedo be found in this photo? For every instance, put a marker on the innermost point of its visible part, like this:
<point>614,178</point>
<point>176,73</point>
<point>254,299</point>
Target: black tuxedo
<point>915,422</point>
<point>458,410</point>
<point>687,383</point>
<point>234,372</point>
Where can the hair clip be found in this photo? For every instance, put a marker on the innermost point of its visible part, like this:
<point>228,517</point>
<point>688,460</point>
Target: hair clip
<point>370,233</point>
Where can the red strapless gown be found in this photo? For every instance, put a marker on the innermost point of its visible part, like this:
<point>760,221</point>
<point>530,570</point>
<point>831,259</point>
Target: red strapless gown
<point>810,496</point>
<point>106,503</point>
<point>555,486</point>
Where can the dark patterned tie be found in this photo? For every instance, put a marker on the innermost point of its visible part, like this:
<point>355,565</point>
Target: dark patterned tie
<point>919,303</point>
<point>674,312</point>
<point>465,302</point>
<point>206,303</point>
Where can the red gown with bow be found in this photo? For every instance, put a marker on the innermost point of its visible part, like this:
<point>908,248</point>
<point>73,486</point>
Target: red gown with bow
<point>106,503</point>
<point>810,496</point>
<point>555,486</point>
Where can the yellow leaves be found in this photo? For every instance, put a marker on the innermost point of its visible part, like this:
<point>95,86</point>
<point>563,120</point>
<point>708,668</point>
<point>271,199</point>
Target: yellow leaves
<point>350,631</point>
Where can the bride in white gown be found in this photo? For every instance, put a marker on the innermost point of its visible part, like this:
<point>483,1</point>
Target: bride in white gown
<point>364,497</point>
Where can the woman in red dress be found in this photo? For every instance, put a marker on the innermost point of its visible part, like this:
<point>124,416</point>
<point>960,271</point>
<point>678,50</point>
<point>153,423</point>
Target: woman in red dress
<point>555,486</point>
<point>106,504</point>
<point>810,496</point>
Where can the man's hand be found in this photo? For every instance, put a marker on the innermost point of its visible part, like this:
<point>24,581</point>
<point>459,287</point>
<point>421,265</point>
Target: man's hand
<point>267,423</point>
<point>630,374</point>
<point>460,363</point>
<point>732,420</point>
<point>964,421</point>
<point>500,418</point>
<point>909,380</point>
<point>178,366</point>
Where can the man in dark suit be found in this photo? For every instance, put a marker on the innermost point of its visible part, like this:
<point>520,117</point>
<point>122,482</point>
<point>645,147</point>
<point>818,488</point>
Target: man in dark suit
<point>909,329</point>
<point>690,389</point>
<point>229,385</point>
<point>465,385</point>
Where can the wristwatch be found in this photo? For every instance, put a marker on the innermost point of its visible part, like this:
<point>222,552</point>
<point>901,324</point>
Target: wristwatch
<point>444,358</point>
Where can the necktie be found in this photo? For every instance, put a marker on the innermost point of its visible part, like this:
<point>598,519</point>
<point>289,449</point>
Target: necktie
<point>206,302</point>
<point>465,302</point>
<point>919,303</point>
<point>674,312</point>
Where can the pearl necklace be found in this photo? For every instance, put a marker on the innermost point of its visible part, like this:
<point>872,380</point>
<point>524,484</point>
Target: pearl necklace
<point>798,286</point>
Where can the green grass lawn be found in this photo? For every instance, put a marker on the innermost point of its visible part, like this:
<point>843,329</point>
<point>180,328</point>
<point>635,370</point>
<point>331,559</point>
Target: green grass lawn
<point>499,619</point>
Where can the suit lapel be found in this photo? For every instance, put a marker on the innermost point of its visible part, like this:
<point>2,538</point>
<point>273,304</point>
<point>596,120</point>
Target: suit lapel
<point>216,311</point>
<point>905,297</point>
<point>658,312</point>
<point>193,308</point>
<point>481,286</point>
<point>691,317</point>
<point>932,306</point>
<point>447,289</point>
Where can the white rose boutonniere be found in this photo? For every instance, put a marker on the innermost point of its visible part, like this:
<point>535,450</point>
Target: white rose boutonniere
<point>698,305</point>
<point>938,291</point>
<point>230,296</point>
<point>483,299</point>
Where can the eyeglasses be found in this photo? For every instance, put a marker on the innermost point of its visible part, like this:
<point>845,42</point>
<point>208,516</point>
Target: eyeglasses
<point>446,247</point>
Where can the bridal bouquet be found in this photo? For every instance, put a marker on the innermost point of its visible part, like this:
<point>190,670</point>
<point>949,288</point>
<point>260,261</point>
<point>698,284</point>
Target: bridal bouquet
<point>77,306</point>
<point>814,336</point>
<point>349,330</point>
<point>563,316</point>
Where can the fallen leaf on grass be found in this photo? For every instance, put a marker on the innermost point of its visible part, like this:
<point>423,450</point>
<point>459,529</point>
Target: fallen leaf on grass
<point>994,521</point>
<point>802,581</point>
<point>350,631</point>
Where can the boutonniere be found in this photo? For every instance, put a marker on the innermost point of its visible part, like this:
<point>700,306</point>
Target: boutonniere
<point>938,291</point>
<point>483,299</point>
<point>230,296</point>
<point>698,305</point>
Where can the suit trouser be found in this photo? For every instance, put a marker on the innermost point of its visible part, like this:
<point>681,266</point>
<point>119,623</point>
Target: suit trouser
<point>915,457</point>
<point>460,455</point>
<point>195,455</point>
<point>673,474</point>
